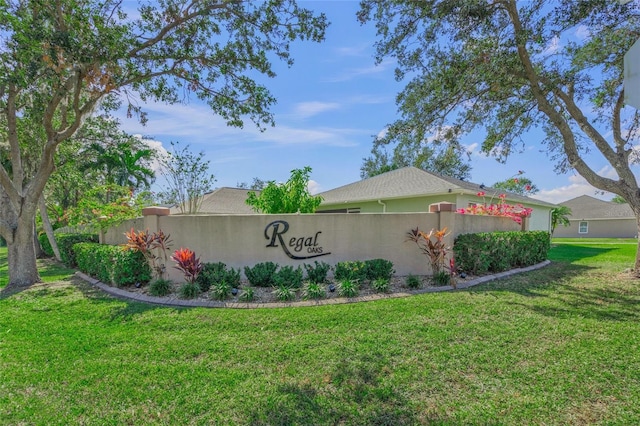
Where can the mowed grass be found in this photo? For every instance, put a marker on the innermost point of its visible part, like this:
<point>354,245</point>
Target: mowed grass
<point>556,346</point>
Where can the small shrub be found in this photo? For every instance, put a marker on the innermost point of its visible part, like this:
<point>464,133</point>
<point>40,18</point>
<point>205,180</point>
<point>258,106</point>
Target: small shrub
<point>351,270</point>
<point>379,268</point>
<point>189,290</point>
<point>160,287</point>
<point>313,290</point>
<point>217,272</point>
<point>287,276</point>
<point>261,275</point>
<point>317,273</point>
<point>285,293</point>
<point>413,282</point>
<point>220,290</point>
<point>441,278</point>
<point>347,288</point>
<point>66,242</point>
<point>381,285</point>
<point>247,295</point>
<point>44,243</point>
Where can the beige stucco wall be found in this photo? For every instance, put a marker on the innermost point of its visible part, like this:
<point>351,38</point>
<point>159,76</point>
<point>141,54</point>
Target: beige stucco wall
<point>244,240</point>
<point>540,219</point>
<point>599,228</point>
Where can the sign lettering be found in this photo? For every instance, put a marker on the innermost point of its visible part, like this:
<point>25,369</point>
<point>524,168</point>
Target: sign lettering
<point>294,247</point>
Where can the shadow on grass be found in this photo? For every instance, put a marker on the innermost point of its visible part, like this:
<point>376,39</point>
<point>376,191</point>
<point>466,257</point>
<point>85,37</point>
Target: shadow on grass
<point>568,290</point>
<point>354,393</point>
<point>574,252</point>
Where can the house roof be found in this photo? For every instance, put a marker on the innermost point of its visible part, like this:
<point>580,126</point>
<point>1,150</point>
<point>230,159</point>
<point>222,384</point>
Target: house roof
<point>224,201</point>
<point>410,182</point>
<point>586,207</point>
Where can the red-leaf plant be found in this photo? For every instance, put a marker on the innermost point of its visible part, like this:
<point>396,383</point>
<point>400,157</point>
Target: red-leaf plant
<point>146,243</point>
<point>188,263</point>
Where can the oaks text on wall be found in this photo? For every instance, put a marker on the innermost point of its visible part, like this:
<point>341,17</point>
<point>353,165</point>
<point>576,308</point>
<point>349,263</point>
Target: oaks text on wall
<point>294,246</point>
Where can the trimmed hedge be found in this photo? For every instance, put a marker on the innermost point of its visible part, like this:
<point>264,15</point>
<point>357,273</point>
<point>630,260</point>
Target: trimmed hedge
<point>488,252</point>
<point>65,244</point>
<point>112,264</point>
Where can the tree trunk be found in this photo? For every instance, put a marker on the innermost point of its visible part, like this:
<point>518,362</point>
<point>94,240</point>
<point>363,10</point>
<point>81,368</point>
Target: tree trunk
<point>46,224</point>
<point>21,256</point>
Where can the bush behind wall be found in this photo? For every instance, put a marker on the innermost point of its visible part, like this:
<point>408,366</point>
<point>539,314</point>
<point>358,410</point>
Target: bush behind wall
<point>488,252</point>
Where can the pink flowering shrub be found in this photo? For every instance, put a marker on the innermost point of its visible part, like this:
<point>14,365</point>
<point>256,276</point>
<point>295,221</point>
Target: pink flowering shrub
<point>516,212</point>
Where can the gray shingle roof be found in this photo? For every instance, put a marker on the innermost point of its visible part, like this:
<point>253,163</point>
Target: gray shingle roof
<point>411,182</point>
<point>224,201</point>
<point>586,207</point>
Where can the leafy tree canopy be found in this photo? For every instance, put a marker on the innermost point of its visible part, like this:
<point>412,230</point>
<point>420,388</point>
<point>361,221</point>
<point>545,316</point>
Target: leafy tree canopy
<point>293,196</point>
<point>187,179</point>
<point>518,185</point>
<point>505,67</point>
<point>448,161</point>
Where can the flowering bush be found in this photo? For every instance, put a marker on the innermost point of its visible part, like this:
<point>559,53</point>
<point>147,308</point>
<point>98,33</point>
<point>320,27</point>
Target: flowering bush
<point>516,212</point>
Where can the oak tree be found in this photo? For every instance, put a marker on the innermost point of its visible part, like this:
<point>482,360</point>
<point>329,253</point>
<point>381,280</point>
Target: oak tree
<point>62,60</point>
<point>505,67</point>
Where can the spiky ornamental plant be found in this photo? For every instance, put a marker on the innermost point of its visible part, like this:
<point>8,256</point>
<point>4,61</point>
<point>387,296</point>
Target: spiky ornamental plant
<point>188,264</point>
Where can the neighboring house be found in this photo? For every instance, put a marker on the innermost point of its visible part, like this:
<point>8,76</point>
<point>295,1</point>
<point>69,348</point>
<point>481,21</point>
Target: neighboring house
<point>412,190</point>
<point>594,218</point>
<point>224,201</point>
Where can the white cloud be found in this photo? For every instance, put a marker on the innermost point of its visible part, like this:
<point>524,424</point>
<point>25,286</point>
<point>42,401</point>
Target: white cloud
<point>157,147</point>
<point>314,187</point>
<point>582,32</point>
<point>309,109</point>
<point>382,133</point>
<point>352,73</point>
<point>553,46</point>
<point>357,51</point>
<point>197,125</point>
<point>577,186</point>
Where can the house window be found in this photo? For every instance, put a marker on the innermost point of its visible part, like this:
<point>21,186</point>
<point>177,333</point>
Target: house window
<point>583,227</point>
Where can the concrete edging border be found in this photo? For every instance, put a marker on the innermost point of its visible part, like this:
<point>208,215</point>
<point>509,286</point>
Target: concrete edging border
<point>174,302</point>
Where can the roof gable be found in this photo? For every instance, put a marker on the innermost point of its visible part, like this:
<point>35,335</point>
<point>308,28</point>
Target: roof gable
<point>586,207</point>
<point>224,200</point>
<point>409,182</point>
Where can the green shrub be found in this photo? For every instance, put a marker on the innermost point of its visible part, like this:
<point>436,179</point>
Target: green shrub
<point>66,242</point>
<point>347,288</point>
<point>489,252</point>
<point>379,268</point>
<point>381,285</point>
<point>44,243</point>
<point>313,290</point>
<point>112,264</point>
<point>413,282</point>
<point>247,295</point>
<point>285,293</point>
<point>441,278</point>
<point>160,287</point>
<point>220,290</point>
<point>351,270</point>
<point>261,274</point>
<point>289,277</point>
<point>189,290</point>
<point>317,273</point>
<point>213,273</point>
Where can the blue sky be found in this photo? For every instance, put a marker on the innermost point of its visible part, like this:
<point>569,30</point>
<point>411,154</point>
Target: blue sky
<point>331,104</point>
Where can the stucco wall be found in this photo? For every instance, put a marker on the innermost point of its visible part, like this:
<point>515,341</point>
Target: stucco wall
<point>540,219</point>
<point>244,240</point>
<point>599,228</point>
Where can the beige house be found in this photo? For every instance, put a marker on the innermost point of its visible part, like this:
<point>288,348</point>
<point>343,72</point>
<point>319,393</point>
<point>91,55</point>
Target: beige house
<point>594,218</point>
<point>223,201</point>
<point>412,190</point>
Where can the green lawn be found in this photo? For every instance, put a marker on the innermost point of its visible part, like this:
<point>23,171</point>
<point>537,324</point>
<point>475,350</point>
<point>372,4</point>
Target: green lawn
<point>556,346</point>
